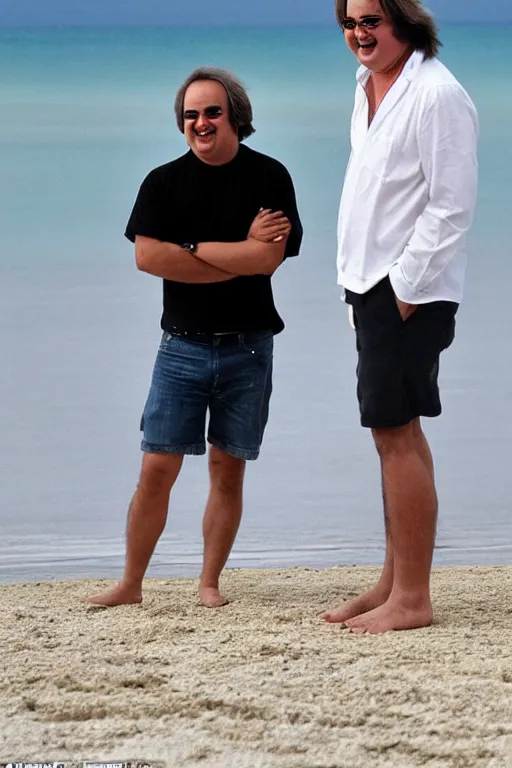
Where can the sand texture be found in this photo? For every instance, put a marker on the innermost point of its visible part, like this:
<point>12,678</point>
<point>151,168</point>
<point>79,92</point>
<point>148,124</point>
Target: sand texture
<point>262,682</point>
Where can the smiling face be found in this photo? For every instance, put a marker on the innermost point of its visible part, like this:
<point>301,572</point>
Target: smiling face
<point>375,46</point>
<point>207,126</point>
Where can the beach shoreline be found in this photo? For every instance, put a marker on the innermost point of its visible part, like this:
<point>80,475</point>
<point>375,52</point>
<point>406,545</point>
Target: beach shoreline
<point>262,682</point>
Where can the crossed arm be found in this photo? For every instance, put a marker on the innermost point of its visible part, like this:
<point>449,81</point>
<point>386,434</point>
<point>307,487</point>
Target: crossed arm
<point>261,253</point>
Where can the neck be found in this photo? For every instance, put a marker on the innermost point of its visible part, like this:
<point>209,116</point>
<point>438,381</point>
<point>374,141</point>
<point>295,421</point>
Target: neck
<point>226,157</point>
<point>386,77</point>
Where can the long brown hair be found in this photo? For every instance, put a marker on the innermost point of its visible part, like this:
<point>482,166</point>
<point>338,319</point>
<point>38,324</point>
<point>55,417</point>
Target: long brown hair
<point>240,108</point>
<point>412,24</point>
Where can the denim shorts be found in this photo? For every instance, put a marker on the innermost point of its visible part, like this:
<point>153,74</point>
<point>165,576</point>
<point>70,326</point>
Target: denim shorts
<point>227,377</point>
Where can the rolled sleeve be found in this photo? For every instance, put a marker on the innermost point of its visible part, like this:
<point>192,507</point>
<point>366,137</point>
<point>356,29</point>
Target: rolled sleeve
<point>447,140</point>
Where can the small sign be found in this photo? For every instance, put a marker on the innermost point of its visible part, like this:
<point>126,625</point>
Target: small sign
<point>87,764</point>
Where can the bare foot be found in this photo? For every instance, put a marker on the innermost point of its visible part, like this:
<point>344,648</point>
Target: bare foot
<point>394,615</point>
<point>211,597</point>
<point>120,595</point>
<point>367,602</point>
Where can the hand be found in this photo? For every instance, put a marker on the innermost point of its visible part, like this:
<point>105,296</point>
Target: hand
<point>270,227</point>
<point>406,310</point>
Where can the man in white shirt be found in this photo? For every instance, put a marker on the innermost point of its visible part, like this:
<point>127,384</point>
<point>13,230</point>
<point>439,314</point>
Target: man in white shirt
<point>407,203</point>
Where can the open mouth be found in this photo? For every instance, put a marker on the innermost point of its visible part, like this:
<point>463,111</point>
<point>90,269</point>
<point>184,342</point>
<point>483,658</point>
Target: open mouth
<point>367,46</point>
<point>205,135</point>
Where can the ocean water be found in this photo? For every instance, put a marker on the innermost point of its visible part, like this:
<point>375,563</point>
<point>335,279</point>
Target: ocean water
<point>84,114</point>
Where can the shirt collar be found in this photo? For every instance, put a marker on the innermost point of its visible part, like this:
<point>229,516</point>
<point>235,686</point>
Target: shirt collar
<point>409,72</point>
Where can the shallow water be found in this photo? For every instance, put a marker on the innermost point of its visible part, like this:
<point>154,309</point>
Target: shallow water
<point>84,116</point>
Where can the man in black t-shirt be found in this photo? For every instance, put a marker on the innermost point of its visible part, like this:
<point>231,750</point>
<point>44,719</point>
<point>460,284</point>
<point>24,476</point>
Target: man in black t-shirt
<point>214,224</point>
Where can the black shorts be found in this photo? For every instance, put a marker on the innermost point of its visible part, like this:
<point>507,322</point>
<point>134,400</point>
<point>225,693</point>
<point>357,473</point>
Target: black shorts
<point>398,363</point>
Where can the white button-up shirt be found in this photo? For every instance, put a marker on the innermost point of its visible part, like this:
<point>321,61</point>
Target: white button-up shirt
<point>410,186</point>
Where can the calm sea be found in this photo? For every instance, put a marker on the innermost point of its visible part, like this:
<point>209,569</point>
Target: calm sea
<point>84,114</point>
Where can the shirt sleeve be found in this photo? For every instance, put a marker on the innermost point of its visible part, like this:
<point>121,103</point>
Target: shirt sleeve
<point>448,152</point>
<point>284,199</point>
<point>147,216</point>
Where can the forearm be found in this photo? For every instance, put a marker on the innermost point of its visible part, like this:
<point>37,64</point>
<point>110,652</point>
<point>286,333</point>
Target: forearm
<point>170,262</point>
<point>249,257</point>
<point>436,240</point>
<point>447,141</point>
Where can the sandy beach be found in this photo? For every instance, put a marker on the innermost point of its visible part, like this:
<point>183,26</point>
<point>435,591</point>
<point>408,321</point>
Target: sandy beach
<point>262,682</point>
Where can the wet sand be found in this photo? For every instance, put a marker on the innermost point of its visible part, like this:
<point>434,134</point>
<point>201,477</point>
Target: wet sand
<point>263,682</point>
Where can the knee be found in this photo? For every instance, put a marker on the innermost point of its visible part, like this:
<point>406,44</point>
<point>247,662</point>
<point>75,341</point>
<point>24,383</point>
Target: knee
<point>158,474</point>
<point>226,472</point>
<point>394,442</point>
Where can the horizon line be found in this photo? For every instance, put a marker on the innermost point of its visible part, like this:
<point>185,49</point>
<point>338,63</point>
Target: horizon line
<point>246,25</point>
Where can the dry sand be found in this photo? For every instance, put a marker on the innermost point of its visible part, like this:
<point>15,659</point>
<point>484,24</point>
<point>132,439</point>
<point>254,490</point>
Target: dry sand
<point>263,682</point>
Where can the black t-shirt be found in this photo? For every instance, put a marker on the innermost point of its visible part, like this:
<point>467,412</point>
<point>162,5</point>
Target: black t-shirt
<point>188,201</point>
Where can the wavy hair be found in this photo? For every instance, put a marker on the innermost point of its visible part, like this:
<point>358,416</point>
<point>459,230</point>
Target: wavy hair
<point>411,22</point>
<point>240,108</point>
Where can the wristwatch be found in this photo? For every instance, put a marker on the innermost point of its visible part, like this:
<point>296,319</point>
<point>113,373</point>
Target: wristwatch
<point>190,247</point>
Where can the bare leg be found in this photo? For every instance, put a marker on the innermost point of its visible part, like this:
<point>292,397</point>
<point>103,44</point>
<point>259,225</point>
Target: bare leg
<point>379,593</point>
<point>220,522</point>
<point>146,521</point>
<point>412,507</point>
<point>423,447</point>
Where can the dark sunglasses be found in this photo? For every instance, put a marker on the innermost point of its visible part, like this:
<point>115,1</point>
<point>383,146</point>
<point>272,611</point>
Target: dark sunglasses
<point>368,22</point>
<point>211,113</point>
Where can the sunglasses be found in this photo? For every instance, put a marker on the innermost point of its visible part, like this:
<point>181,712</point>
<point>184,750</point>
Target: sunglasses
<point>211,113</point>
<point>368,22</point>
